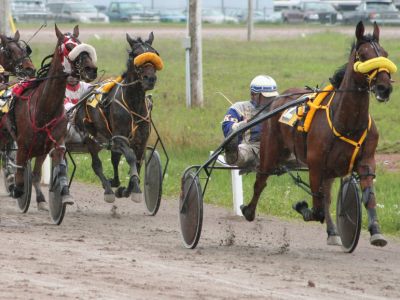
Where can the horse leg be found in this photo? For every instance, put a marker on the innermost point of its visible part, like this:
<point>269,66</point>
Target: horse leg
<point>115,158</point>
<point>133,188</point>
<point>17,189</point>
<point>369,200</point>
<point>98,170</point>
<point>37,175</point>
<point>249,211</point>
<point>60,170</point>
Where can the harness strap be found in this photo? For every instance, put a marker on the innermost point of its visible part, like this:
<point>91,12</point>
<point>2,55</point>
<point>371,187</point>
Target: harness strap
<point>357,145</point>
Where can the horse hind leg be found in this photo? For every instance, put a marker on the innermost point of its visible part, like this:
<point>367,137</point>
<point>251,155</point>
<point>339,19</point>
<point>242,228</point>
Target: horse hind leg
<point>37,175</point>
<point>115,159</point>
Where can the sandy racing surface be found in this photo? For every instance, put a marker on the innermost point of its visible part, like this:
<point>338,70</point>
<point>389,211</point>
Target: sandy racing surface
<point>106,251</point>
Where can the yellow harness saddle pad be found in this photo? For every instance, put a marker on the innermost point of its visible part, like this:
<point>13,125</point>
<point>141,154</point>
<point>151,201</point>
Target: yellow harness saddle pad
<point>104,87</point>
<point>5,99</point>
<point>293,114</point>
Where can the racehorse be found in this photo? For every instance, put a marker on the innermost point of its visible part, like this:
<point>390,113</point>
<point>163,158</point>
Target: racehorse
<point>340,128</point>
<point>123,118</point>
<point>40,121</point>
<point>14,57</point>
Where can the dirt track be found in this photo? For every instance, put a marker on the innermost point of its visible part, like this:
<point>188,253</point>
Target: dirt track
<point>101,251</point>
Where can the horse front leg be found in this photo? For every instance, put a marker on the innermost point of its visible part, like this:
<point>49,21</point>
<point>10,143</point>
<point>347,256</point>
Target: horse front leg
<point>369,200</point>
<point>37,175</point>
<point>249,211</point>
<point>133,188</point>
<point>115,159</point>
<point>61,171</point>
<point>17,189</point>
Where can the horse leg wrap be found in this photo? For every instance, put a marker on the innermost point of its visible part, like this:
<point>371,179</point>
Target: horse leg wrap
<point>318,215</point>
<point>16,191</point>
<point>63,179</point>
<point>373,226</point>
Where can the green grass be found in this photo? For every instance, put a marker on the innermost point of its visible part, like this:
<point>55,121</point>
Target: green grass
<point>228,67</point>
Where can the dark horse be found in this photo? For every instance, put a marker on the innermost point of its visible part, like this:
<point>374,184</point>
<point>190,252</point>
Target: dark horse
<point>324,149</point>
<point>14,57</point>
<point>39,116</point>
<point>123,118</point>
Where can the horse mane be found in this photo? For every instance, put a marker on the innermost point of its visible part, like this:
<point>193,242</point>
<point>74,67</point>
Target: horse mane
<point>337,78</point>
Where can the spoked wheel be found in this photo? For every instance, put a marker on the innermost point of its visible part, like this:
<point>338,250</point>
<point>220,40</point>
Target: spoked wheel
<point>57,209</point>
<point>348,214</point>
<point>152,182</point>
<point>190,210</point>
<point>11,172</point>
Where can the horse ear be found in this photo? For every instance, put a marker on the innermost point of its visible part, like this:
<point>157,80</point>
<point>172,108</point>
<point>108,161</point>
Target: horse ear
<point>130,41</point>
<point>59,35</point>
<point>16,36</point>
<point>360,31</point>
<point>376,32</point>
<point>76,31</point>
<point>151,38</point>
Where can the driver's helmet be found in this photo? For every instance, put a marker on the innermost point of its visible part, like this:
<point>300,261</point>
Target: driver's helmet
<point>265,85</point>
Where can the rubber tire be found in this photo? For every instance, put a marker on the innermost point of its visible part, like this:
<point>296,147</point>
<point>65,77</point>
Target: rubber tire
<point>191,220</point>
<point>57,209</point>
<point>349,214</point>
<point>152,182</point>
<point>24,202</point>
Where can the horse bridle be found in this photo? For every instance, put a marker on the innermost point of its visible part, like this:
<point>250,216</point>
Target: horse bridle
<point>77,63</point>
<point>16,64</point>
<point>369,78</point>
<point>146,48</point>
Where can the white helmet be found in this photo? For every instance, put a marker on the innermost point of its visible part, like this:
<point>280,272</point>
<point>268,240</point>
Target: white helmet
<point>265,85</point>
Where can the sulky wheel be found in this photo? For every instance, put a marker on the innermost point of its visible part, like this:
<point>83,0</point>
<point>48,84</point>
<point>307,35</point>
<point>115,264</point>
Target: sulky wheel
<point>348,214</point>
<point>57,209</point>
<point>190,210</point>
<point>152,182</point>
<point>24,201</point>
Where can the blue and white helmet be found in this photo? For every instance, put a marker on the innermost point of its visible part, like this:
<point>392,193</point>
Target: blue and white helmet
<point>265,85</point>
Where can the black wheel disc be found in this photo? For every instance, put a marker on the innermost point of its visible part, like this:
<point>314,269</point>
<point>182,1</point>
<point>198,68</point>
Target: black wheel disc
<point>348,214</point>
<point>57,209</point>
<point>190,210</point>
<point>25,200</point>
<point>152,182</point>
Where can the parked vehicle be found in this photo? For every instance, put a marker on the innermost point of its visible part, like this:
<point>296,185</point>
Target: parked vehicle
<point>281,5</point>
<point>172,16</point>
<point>242,15</point>
<point>383,12</point>
<point>133,12</point>
<point>30,11</point>
<point>345,5</point>
<point>75,12</point>
<point>312,12</point>
<point>274,18</point>
<point>214,16</point>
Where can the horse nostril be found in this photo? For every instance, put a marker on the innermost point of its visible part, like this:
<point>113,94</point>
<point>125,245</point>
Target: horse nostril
<point>30,71</point>
<point>381,88</point>
<point>90,70</point>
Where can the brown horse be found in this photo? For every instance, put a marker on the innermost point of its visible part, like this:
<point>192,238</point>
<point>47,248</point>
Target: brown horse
<point>123,119</point>
<point>39,117</point>
<point>14,57</point>
<point>325,149</point>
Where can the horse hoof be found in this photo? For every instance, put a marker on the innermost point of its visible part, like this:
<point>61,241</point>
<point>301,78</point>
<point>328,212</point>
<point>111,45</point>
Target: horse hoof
<point>298,206</point>
<point>118,192</point>
<point>244,208</point>
<point>109,198</point>
<point>378,240</point>
<point>334,240</point>
<point>42,206</point>
<point>138,198</point>
<point>67,200</point>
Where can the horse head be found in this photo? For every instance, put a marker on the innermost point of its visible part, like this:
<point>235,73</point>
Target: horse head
<point>145,60</point>
<point>371,63</point>
<point>16,56</point>
<point>77,58</point>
